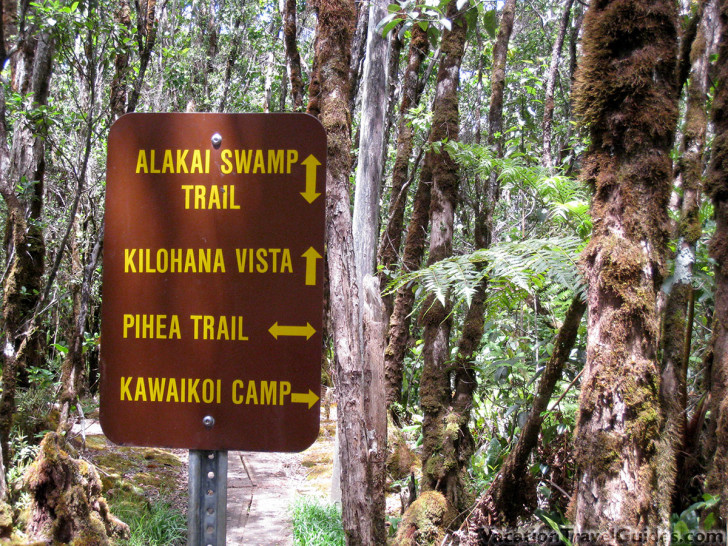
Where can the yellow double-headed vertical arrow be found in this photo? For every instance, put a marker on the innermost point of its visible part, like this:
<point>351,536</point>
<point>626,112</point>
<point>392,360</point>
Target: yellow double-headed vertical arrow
<point>312,165</point>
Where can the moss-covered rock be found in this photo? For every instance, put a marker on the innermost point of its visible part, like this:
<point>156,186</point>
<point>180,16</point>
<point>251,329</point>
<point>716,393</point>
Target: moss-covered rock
<point>67,505</point>
<point>425,521</point>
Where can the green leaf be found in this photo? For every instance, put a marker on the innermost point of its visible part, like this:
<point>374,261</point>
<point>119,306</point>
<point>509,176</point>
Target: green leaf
<point>388,23</point>
<point>490,23</point>
<point>60,348</point>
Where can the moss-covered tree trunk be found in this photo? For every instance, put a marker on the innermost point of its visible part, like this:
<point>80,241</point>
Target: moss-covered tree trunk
<point>717,187</point>
<point>440,431</point>
<point>329,95</point>
<point>399,320</point>
<point>677,322</point>
<point>399,308</point>
<point>22,188</point>
<point>626,94</point>
<point>389,246</point>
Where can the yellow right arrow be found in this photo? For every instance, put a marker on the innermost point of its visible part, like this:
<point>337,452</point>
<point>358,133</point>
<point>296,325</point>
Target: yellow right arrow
<point>309,398</point>
<point>312,165</point>
<point>311,256</point>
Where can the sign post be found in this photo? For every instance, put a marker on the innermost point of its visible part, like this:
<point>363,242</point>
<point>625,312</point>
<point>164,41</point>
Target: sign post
<point>213,284</point>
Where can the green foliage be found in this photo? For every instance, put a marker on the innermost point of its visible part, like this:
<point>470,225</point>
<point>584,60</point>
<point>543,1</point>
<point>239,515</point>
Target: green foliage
<point>155,524</point>
<point>316,523</point>
<point>528,266</point>
<point>695,518</point>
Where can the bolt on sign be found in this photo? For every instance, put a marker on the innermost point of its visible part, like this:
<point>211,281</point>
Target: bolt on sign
<point>212,286</point>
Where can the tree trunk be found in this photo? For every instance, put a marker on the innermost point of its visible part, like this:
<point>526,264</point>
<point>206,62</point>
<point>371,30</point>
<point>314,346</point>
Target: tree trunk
<point>73,364</point>
<point>293,58</point>
<point>512,494</point>
<point>329,99</point>
<point>435,398</point>
<point>32,68</point>
<point>118,92</point>
<point>459,447</point>
<point>371,146</point>
<point>146,36</point>
<point>676,328</point>
<point>365,231</point>
<point>232,56</point>
<point>399,320</point>
<point>716,481</point>
<point>631,120</point>
<point>388,253</point>
<point>548,109</point>
<point>358,48</point>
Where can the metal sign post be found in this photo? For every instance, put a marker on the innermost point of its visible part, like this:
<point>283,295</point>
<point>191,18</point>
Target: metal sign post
<point>207,509</point>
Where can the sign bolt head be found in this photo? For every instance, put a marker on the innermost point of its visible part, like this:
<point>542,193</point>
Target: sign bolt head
<point>208,421</point>
<point>216,140</point>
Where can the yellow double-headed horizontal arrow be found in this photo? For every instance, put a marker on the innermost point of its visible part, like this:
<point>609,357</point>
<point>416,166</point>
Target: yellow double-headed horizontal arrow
<point>309,398</point>
<point>301,331</point>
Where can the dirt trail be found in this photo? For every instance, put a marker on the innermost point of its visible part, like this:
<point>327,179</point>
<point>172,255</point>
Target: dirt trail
<point>261,486</point>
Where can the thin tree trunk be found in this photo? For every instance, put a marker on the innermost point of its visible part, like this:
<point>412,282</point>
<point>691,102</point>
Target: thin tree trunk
<point>118,90</point>
<point>631,122</point>
<point>435,397</point>
<point>358,48</point>
<point>399,320</point>
<point>395,52</point>
<point>73,364</point>
<point>548,109</point>
<point>232,56</point>
<point>459,446</point>
<point>293,58</point>
<point>329,96</point>
<point>389,247</point>
<point>270,63</point>
<point>512,494</point>
<point>146,37</point>
<point>716,481</point>
<point>675,337</point>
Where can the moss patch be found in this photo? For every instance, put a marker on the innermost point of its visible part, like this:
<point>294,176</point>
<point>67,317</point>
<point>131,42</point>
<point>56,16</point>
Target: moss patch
<point>425,521</point>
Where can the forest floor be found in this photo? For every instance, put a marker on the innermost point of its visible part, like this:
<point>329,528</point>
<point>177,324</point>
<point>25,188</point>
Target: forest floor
<point>261,486</point>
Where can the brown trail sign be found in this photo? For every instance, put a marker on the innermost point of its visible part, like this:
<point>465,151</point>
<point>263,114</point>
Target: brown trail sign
<point>212,286</point>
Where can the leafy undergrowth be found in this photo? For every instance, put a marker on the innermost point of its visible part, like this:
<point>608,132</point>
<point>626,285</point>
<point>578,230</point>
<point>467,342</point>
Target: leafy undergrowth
<point>145,487</point>
<point>156,524</point>
<point>316,523</point>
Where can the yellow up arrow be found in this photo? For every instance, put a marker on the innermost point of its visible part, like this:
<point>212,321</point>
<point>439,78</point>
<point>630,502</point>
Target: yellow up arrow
<point>311,256</point>
<point>309,398</point>
<point>311,164</point>
<point>302,331</point>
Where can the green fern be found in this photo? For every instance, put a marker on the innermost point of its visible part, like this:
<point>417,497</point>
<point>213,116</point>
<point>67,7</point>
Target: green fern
<point>528,266</point>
